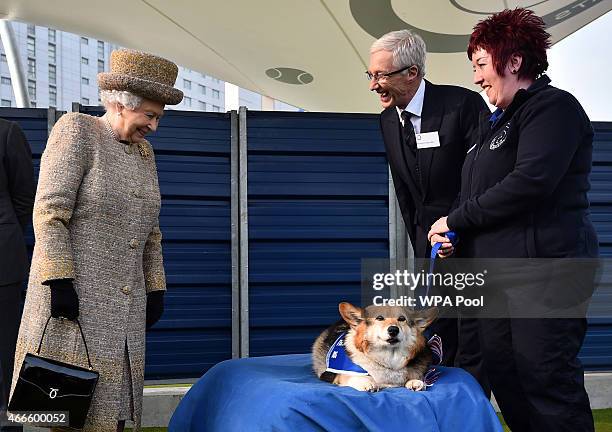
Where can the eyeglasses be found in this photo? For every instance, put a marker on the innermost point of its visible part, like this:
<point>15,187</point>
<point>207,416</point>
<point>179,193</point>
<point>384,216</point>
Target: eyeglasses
<point>378,76</point>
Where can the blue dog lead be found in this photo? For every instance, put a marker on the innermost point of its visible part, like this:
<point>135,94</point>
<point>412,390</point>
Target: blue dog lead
<point>452,237</point>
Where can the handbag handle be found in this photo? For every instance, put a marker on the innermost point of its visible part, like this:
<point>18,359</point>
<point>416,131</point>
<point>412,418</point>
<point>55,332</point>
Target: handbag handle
<point>82,335</point>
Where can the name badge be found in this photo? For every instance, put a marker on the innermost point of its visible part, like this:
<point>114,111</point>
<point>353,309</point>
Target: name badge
<point>427,140</point>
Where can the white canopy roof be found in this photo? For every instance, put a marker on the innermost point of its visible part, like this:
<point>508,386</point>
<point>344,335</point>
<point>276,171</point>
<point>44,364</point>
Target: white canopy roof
<point>309,53</point>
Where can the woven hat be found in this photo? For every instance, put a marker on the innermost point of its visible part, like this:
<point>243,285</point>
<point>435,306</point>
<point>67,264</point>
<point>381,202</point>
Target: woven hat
<point>143,74</point>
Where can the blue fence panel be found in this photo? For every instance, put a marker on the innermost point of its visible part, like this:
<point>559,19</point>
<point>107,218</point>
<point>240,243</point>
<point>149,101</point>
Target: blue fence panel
<point>193,161</point>
<point>318,204</point>
<point>596,353</point>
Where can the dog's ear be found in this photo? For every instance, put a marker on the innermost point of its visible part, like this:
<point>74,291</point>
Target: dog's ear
<point>423,318</point>
<point>351,314</point>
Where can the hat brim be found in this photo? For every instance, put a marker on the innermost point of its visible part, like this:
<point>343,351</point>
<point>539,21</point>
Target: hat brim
<point>148,89</point>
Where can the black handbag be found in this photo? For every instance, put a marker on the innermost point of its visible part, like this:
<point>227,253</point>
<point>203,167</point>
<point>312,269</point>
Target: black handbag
<point>47,385</point>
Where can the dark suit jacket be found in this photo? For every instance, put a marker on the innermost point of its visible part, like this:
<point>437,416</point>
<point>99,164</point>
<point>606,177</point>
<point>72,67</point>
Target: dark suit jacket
<point>17,191</point>
<point>454,113</point>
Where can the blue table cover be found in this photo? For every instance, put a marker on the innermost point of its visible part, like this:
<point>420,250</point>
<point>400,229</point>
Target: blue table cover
<point>281,393</point>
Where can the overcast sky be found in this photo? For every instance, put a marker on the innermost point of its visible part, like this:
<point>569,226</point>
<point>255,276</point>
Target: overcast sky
<point>582,64</point>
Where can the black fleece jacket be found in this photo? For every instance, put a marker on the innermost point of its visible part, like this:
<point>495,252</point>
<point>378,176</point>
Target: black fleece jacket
<point>524,186</point>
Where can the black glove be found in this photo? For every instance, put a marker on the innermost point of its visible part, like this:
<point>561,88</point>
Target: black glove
<point>155,307</point>
<point>64,299</point>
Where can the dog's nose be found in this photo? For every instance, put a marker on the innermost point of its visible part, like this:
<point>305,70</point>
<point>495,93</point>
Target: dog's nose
<point>393,331</point>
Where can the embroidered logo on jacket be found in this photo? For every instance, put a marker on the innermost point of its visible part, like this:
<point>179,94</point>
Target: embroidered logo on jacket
<point>500,138</point>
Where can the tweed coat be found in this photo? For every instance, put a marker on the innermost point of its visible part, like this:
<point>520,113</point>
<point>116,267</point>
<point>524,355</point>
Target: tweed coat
<point>96,219</point>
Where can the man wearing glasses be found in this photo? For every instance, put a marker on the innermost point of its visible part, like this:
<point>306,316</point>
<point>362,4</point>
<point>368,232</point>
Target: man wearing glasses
<point>427,129</point>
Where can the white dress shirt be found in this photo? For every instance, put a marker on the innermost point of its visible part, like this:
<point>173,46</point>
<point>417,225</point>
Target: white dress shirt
<point>414,107</point>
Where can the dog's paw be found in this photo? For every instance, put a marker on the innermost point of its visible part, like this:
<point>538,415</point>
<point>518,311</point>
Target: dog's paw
<point>363,383</point>
<point>415,385</point>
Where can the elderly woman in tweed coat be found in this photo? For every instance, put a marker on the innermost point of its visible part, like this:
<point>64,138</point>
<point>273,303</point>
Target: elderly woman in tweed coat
<point>98,250</point>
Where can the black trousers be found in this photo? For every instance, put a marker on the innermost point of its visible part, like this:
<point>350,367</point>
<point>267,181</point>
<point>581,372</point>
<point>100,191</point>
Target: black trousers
<point>535,374</point>
<point>10,317</point>
<point>460,336</point>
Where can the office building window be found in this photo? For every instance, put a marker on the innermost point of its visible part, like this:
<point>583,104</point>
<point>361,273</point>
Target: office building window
<point>84,81</point>
<point>31,68</point>
<point>202,89</point>
<point>52,96</point>
<point>31,30</point>
<point>5,80</point>
<point>84,41</point>
<point>52,35</point>
<point>52,74</point>
<point>186,84</point>
<point>100,49</point>
<point>100,66</point>
<point>216,108</point>
<point>85,60</point>
<point>215,94</point>
<point>52,54</point>
<point>5,103</point>
<point>31,47</point>
<point>202,105</point>
<point>84,101</point>
<point>187,101</point>
<point>32,104</point>
<point>3,57</point>
<point>32,89</point>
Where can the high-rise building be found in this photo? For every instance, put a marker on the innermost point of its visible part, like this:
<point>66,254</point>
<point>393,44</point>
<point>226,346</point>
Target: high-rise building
<point>61,68</point>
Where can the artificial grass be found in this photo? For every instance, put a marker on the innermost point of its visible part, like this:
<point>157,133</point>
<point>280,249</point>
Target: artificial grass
<point>149,429</point>
<point>603,422</point>
<point>602,417</point>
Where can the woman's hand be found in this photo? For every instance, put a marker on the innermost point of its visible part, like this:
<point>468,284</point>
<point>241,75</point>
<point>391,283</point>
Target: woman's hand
<point>64,299</point>
<point>447,248</point>
<point>436,235</point>
<point>155,307</point>
<point>439,227</point>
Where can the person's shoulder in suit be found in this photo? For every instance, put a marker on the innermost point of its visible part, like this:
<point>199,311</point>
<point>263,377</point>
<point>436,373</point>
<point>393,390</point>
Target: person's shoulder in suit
<point>6,125</point>
<point>4,122</point>
<point>392,110</point>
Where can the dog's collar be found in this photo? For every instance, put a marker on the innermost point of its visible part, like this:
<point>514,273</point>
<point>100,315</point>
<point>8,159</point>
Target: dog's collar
<point>338,360</point>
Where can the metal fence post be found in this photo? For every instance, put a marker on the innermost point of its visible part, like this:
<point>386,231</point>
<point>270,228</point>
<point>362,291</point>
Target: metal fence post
<point>235,232</point>
<point>51,119</point>
<point>244,232</point>
<point>401,255</point>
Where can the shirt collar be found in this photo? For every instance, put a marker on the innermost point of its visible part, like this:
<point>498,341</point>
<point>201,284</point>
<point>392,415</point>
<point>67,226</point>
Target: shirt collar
<point>415,106</point>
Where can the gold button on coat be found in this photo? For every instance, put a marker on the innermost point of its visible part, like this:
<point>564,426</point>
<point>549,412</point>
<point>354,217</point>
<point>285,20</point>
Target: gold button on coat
<point>134,243</point>
<point>125,290</point>
<point>128,149</point>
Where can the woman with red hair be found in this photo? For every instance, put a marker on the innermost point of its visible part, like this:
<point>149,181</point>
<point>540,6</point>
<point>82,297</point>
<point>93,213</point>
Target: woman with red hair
<point>524,195</point>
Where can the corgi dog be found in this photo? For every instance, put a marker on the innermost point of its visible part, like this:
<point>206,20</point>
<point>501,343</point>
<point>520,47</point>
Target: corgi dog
<point>375,348</point>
